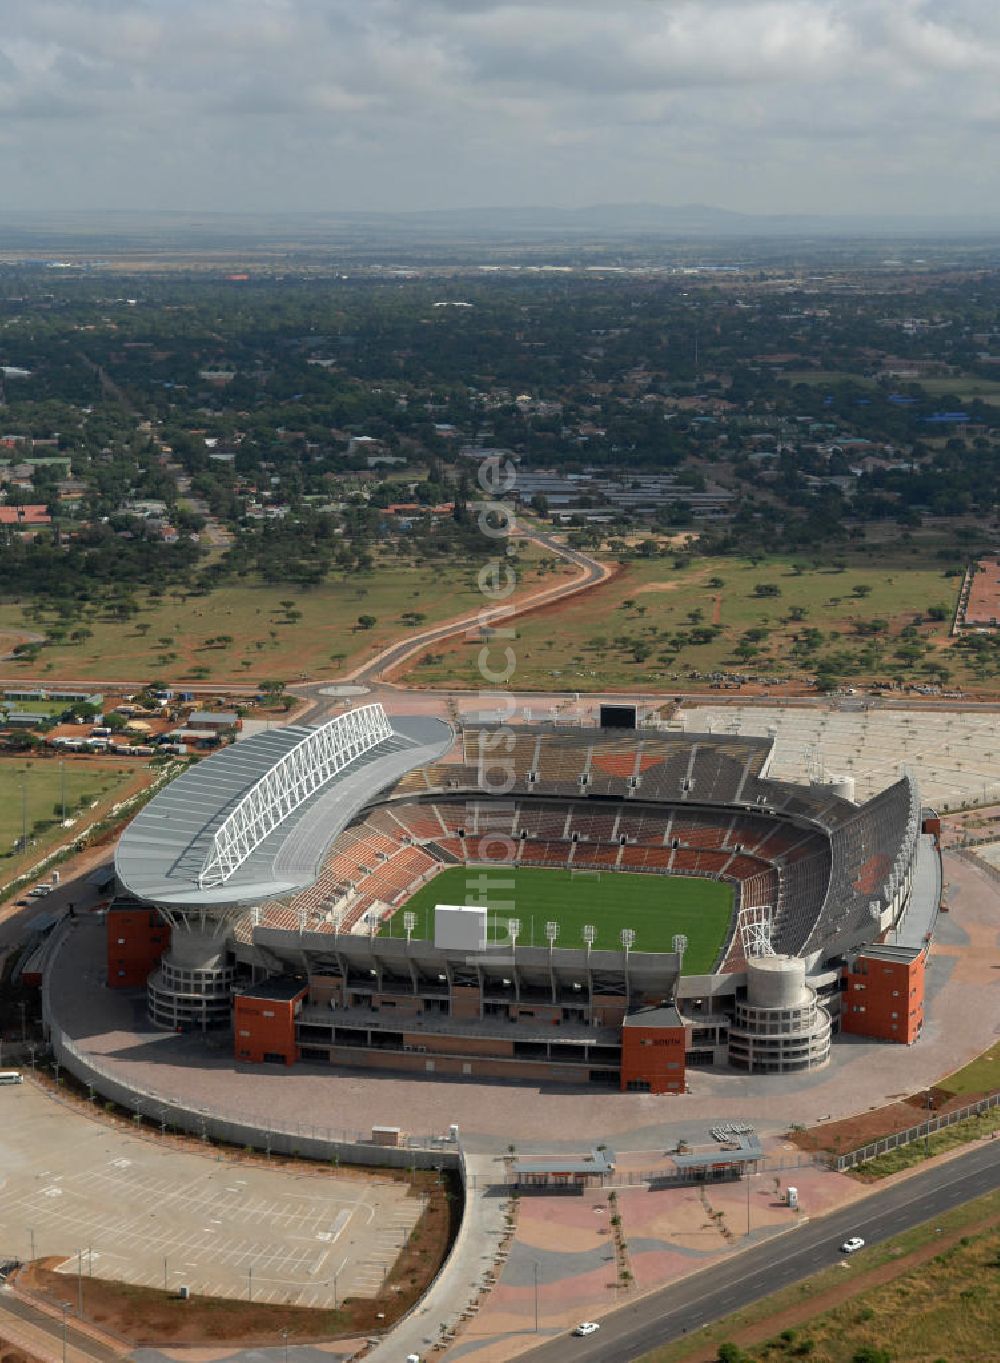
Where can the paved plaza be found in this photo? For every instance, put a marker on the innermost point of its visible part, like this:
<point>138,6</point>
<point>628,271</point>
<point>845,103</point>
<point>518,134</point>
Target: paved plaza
<point>153,1214</point>
<point>563,1267</point>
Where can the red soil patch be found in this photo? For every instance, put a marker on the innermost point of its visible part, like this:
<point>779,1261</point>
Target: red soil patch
<point>839,1137</point>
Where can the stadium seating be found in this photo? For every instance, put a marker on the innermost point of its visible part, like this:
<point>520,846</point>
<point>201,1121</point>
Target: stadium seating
<point>655,803</point>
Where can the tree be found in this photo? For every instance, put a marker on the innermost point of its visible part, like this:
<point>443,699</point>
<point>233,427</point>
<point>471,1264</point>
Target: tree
<point>367,621</point>
<point>861,590</point>
<point>764,589</point>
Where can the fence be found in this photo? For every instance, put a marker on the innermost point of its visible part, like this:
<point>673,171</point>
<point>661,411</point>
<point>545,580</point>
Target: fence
<point>853,1158</point>
<point>765,1164</point>
<point>969,856</point>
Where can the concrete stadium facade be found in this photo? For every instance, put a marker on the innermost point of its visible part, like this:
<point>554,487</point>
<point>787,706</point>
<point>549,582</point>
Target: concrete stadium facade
<point>284,947</point>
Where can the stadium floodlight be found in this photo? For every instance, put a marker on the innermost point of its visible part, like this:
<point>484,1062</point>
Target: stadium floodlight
<point>680,944</point>
<point>409,922</point>
<point>551,933</point>
<point>513,930</point>
<point>589,935</point>
<point>628,939</point>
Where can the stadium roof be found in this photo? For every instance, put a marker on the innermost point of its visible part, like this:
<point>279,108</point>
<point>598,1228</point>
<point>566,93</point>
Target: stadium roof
<point>163,854</point>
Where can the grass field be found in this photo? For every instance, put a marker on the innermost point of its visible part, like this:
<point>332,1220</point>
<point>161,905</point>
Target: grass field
<point>35,789</point>
<point>174,637</point>
<point>949,1138</point>
<point>655,625</point>
<point>656,907</point>
<point>981,1075</point>
<point>930,1295</point>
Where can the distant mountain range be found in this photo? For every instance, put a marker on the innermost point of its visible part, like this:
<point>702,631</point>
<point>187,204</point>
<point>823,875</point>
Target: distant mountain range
<point>692,220</point>
<point>599,222</point>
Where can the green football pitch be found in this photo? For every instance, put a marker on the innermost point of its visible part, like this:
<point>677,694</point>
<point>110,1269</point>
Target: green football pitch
<point>654,907</point>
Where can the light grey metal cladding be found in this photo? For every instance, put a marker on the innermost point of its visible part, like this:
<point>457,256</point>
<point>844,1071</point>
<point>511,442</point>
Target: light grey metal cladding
<point>360,954</point>
<point>310,764</point>
<point>163,852</point>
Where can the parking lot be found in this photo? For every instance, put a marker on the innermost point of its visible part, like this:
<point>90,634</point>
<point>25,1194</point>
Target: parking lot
<point>130,1209</point>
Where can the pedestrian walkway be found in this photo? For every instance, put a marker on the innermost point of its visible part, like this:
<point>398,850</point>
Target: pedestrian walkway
<point>467,1275</point>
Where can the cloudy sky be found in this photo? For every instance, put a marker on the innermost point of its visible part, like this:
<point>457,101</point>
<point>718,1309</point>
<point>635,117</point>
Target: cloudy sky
<point>258,105</point>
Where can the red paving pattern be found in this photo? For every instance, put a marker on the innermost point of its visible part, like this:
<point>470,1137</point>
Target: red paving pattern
<point>669,1234</point>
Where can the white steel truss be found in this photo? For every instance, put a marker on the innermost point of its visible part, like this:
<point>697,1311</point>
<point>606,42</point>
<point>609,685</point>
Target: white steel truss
<point>302,770</point>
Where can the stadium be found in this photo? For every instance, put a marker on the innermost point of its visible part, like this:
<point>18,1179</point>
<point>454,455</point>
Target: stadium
<point>608,906</point>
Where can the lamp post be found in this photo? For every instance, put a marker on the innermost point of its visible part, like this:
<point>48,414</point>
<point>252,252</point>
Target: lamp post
<point>628,941</point>
<point>535,1267</point>
<point>65,1307</point>
<point>748,1202</point>
<point>284,1340</point>
<point>927,1131</point>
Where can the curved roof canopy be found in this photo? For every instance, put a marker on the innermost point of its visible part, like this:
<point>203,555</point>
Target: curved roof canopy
<point>256,819</point>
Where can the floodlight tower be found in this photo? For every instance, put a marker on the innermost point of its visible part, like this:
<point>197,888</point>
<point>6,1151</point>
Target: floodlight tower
<point>513,932</point>
<point>409,923</point>
<point>551,934</point>
<point>589,935</point>
<point>680,945</point>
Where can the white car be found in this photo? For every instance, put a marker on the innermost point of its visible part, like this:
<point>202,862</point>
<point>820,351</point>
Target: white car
<point>587,1327</point>
<point>852,1245</point>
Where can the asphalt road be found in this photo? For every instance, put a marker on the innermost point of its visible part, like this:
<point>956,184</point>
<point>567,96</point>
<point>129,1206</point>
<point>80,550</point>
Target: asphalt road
<point>686,1306</point>
<point>49,1328</point>
<point>592,573</point>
